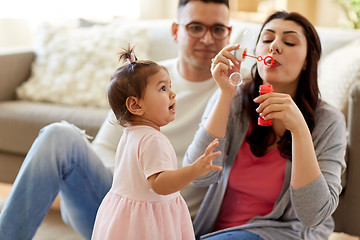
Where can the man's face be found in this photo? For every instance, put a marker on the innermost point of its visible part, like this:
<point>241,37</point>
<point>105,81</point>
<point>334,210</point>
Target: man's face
<point>198,52</point>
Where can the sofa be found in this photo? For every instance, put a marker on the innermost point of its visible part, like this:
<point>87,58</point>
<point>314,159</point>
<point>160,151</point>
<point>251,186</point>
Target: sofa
<point>64,77</point>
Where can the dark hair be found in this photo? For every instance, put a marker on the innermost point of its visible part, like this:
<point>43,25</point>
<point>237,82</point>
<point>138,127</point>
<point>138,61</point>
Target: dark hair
<point>129,80</point>
<point>182,3</point>
<point>307,93</point>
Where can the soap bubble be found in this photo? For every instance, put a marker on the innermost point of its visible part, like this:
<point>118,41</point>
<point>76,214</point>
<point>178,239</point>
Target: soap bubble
<point>236,79</point>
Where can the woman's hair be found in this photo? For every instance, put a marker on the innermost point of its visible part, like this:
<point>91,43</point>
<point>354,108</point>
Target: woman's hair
<point>307,93</point>
<point>129,80</point>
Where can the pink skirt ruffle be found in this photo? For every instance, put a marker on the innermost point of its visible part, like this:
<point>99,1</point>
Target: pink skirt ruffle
<point>122,218</point>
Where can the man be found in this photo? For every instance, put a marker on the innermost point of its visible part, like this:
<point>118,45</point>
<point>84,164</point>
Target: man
<point>62,160</point>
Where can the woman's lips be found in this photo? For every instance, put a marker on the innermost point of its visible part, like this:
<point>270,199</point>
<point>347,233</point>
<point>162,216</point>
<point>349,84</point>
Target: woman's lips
<point>276,63</point>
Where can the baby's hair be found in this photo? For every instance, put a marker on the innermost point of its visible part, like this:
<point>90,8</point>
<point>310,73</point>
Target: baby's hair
<point>128,55</point>
<point>129,80</point>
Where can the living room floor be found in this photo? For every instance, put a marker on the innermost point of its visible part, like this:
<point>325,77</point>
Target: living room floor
<point>53,228</point>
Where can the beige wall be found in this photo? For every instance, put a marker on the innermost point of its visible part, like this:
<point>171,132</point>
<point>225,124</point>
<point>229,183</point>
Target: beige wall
<point>152,9</point>
<point>320,12</point>
<point>330,14</point>
<point>14,33</point>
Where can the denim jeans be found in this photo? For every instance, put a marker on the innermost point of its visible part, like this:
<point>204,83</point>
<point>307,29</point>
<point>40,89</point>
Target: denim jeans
<point>234,235</point>
<point>60,160</point>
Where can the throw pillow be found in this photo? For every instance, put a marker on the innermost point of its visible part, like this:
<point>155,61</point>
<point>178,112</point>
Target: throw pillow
<point>74,65</point>
<point>338,71</point>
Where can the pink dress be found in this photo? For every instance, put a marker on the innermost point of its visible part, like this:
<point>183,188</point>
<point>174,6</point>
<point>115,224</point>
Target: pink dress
<point>131,209</point>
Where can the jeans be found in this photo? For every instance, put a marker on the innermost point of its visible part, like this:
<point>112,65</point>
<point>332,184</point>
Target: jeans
<point>234,235</point>
<point>60,160</point>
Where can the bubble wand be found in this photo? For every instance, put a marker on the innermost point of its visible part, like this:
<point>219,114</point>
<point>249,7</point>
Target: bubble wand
<point>235,78</point>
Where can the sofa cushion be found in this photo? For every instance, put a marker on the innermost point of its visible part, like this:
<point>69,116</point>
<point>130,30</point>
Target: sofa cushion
<point>74,64</point>
<point>338,71</point>
<point>20,121</point>
<point>11,164</point>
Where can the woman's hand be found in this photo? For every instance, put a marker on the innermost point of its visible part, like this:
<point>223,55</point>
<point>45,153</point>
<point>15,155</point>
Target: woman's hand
<point>281,106</point>
<point>223,65</point>
<point>305,167</point>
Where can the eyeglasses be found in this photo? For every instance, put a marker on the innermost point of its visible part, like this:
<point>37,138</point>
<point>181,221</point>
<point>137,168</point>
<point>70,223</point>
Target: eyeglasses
<point>198,30</point>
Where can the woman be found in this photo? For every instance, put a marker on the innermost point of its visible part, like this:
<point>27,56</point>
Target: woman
<point>281,181</point>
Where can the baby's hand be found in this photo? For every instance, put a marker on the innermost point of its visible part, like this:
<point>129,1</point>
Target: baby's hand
<point>203,164</point>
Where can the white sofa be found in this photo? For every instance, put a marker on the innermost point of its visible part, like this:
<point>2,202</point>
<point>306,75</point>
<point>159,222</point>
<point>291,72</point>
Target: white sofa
<point>69,68</point>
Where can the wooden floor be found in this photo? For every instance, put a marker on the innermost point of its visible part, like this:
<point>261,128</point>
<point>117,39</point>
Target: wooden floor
<point>53,228</point>
<point>342,236</point>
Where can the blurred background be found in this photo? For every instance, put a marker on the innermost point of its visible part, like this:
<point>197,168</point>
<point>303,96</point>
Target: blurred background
<point>18,18</point>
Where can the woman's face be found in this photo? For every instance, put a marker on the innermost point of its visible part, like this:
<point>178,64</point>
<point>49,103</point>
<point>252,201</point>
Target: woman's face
<point>285,41</point>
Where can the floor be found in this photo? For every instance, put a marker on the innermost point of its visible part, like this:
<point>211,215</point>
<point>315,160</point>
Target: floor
<point>342,236</point>
<point>53,228</point>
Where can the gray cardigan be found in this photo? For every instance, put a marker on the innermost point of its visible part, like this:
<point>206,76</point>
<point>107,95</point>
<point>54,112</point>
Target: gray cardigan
<point>303,213</point>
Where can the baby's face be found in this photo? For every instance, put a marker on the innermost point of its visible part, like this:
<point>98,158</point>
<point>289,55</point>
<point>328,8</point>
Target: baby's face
<point>158,102</point>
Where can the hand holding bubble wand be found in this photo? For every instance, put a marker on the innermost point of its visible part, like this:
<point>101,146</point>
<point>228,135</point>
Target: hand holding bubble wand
<point>235,78</point>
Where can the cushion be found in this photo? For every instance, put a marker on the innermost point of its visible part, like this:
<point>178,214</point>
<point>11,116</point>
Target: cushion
<point>338,71</point>
<point>74,64</point>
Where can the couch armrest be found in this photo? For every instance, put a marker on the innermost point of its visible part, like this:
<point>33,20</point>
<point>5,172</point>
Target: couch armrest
<point>347,215</point>
<point>15,68</point>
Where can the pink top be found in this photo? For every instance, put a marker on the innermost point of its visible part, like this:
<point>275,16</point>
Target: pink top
<point>253,187</point>
<point>131,209</point>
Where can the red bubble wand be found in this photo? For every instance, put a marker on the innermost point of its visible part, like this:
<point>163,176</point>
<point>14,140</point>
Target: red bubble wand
<point>235,78</point>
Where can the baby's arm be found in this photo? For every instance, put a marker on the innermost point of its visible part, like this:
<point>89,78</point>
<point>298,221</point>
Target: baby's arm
<point>167,182</point>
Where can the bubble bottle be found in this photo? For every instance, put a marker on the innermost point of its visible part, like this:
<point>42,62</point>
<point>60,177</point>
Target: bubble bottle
<point>263,89</point>
<point>235,78</point>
